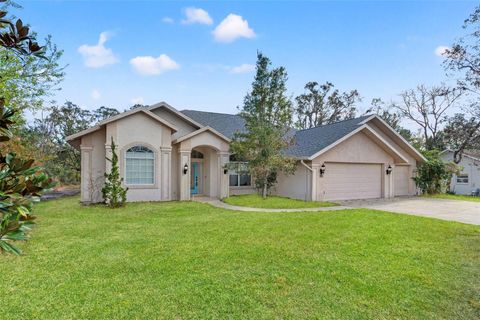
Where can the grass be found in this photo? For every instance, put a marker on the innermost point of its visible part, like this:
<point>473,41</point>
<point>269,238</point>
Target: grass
<point>193,261</point>
<point>453,197</point>
<point>274,202</point>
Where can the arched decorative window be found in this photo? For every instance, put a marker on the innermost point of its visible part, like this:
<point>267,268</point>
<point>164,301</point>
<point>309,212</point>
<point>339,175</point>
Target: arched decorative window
<point>139,165</point>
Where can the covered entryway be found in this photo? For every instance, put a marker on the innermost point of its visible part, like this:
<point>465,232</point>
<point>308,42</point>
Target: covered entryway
<point>201,164</point>
<point>351,181</point>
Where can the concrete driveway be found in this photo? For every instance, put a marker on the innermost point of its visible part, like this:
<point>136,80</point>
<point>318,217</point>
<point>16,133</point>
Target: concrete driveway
<point>453,210</point>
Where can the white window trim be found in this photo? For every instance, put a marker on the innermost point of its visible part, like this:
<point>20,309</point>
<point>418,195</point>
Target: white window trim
<point>140,185</point>
<point>462,176</point>
<point>238,176</point>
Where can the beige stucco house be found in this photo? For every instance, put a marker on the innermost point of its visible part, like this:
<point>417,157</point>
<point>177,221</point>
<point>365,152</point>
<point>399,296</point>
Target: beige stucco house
<point>166,154</point>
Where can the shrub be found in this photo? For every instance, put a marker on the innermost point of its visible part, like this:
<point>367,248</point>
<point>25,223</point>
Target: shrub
<point>20,185</point>
<point>113,193</point>
<point>434,175</point>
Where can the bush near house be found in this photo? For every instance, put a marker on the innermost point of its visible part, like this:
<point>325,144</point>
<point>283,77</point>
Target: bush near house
<point>434,175</point>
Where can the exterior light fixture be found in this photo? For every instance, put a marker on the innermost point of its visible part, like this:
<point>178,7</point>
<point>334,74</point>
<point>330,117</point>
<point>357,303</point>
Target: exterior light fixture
<point>389,169</point>
<point>225,170</point>
<point>322,170</point>
<point>185,168</point>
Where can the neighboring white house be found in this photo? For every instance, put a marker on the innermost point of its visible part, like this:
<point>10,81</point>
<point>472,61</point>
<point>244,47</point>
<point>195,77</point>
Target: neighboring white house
<point>469,178</point>
<point>166,154</point>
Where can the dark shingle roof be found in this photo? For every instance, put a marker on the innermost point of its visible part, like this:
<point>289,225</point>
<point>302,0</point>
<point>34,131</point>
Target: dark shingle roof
<point>307,142</point>
<point>226,124</point>
<point>310,141</point>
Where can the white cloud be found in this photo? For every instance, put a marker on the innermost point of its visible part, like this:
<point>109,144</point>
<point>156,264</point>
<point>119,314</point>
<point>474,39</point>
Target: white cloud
<point>95,94</point>
<point>243,68</point>
<point>231,28</point>
<point>97,56</point>
<point>441,50</point>
<point>137,100</point>
<point>196,15</point>
<point>148,65</point>
<point>167,20</point>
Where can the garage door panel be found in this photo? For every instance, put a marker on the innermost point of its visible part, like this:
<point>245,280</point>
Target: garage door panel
<point>343,181</point>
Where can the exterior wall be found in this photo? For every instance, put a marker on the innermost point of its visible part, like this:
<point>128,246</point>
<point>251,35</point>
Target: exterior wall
<point>361,149</point>
<point>297,185</point>
<point>183,126</point>
<point>140,129</point>
<point>93,161</point>
<point>218,157</point>
<point>394,141</point>
<point>470,167</point>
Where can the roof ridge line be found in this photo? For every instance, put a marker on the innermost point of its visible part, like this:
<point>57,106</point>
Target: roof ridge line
<point>329,124</point>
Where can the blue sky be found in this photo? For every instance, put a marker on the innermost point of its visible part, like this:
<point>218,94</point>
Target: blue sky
<point>155,51</point>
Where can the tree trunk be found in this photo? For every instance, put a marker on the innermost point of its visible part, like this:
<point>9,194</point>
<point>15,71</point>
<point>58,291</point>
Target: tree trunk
<point>264,189</point>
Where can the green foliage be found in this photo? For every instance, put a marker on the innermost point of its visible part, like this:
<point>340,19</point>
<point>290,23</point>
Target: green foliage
<point>114,194</point>
<point>268,116</point>
<point>20,185</point>
<point>20,182</point>
<point>47,135</point>
<point>434,175</point>
<point>322,104</point>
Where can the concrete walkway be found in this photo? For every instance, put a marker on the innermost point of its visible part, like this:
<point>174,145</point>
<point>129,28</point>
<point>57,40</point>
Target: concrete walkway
<point>445,209</point>
<point>219,204</point>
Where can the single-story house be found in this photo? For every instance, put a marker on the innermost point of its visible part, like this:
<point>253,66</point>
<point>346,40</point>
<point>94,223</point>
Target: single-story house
<point>468,179</point>
<point>166,154</point>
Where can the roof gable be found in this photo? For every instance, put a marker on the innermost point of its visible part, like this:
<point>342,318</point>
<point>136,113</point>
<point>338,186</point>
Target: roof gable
<point>121,116</point>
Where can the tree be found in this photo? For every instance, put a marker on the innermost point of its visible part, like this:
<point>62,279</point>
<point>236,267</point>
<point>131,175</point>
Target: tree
<point>29,73</point>
<point>461,134</point>
<point>320,105</point>
<point>463,62</point>
<point>113,193</point>
<point>427,107</point>
<point>268,116</point>
<point>463,58</point>
<point>20,182</point>
<point>103,113</point>
<point>434,175</point>
<point>48,136</point>
<point>392,118</point>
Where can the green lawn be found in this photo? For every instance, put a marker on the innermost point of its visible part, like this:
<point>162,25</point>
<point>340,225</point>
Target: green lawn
<point>453,197</point>
<point>193,261</point>
<point>274,202</point>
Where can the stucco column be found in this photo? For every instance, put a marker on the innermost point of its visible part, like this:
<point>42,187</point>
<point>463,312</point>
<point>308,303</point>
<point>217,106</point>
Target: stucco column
<point>316,182</point>
<point>108,154</point>
<point>223,160</point>
<point>388,191</point>
<point>86,183</point>
<point>165,172</point>
<point>184,158</point>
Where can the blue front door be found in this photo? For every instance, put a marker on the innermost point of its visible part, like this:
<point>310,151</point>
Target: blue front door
<point>194,178</point>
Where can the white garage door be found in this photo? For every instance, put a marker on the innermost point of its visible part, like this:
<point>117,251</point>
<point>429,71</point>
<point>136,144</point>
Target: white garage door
<point>401,180</point>
<point>344,181</point>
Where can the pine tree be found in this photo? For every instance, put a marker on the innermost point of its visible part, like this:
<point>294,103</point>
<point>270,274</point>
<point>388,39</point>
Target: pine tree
<point>268,118</point>
<point>113,193</point>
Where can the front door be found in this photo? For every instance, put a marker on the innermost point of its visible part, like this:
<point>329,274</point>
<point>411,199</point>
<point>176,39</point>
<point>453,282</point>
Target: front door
<point>194,177</point>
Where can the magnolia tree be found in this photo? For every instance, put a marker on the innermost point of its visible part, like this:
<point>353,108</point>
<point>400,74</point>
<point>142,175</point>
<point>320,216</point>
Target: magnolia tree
<point>20,181</point>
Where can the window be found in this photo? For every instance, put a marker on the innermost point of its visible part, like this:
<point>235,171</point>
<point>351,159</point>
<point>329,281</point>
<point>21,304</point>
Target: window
<point>139,163</point>
<point>462,178</point>
<point>239,176</point>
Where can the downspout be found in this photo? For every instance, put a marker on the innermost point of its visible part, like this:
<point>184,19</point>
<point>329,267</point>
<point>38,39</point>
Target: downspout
<point>306,180</point>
